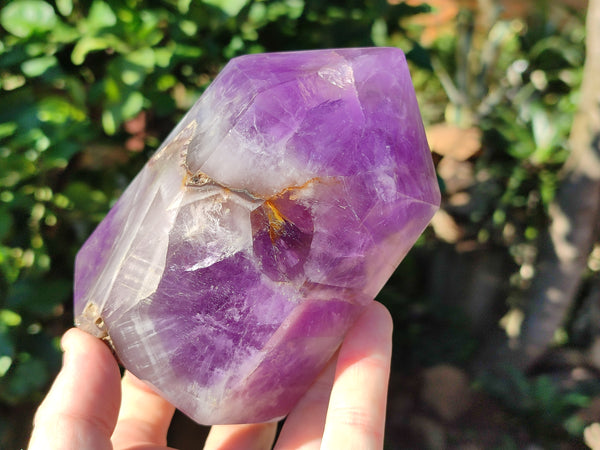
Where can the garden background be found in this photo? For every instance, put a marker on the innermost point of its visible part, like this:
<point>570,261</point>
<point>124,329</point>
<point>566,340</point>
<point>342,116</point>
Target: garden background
<point>496,309</point>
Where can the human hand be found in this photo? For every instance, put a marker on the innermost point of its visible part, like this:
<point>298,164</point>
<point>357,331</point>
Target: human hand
<point>90,408</point>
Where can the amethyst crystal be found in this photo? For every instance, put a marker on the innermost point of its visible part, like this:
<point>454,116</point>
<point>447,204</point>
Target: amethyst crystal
<point>229,271</point>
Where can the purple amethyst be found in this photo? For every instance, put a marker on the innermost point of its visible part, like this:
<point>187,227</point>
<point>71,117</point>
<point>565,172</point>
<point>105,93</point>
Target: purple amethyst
<point>229,271</point>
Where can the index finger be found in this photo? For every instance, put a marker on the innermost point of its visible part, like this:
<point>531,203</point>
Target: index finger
<point>144,417</point>
<point>356,412</point>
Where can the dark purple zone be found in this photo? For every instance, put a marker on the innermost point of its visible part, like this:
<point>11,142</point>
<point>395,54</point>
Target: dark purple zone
<point>282,232</point>
<point>213,312</point>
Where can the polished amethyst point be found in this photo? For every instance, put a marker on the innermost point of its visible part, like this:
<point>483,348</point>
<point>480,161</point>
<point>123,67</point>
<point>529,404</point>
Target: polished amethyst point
<point>229,271</point>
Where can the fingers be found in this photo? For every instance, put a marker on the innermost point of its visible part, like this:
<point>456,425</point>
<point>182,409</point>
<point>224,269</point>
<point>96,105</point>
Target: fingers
<point>144,417</point>
<point>258,436</point>
<point>82,406</point>
<point>356,413</point>
<point>81,409</point>
<point>303,428</point>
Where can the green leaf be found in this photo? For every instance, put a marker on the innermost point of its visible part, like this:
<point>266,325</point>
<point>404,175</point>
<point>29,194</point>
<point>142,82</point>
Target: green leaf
<point>8,128</point>
<point>229,7</point>
<point>37,66</point>
<point>109,122</point>
<point>183,6</point>
<point>26,17</point>
<point>132,77</point>
<point>101,16</point>
<point>65,7</point>
<point>64,34</point>
<point>9,318</point>
<point>143,57</point>
<point>132,105</point>
<point>574,425</point>
<point>166,81</point>
<point>5,361</point>
<point>188,27</point>
<point>188,51</point>
<point>86,45</point>
<point>163,56</point>
<point>379,32</point>
<point>58,110</point>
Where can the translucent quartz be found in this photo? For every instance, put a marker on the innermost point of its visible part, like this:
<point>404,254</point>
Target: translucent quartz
<point>229,271</point>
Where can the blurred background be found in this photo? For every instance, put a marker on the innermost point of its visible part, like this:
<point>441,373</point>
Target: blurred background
<point>496,309</point>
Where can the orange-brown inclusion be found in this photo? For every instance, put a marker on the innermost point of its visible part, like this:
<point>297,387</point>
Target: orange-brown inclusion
<point>276,221</point>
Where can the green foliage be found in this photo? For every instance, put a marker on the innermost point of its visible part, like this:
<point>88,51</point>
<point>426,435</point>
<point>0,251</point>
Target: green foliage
<point>517,80</point>
<point>548,409</point>
<point>28,17</point>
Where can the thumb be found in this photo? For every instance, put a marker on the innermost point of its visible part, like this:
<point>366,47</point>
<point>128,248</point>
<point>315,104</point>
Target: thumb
<point>81,408</point>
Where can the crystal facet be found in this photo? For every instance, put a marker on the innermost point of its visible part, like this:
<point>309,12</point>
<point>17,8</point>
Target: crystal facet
<point>230,269</point>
